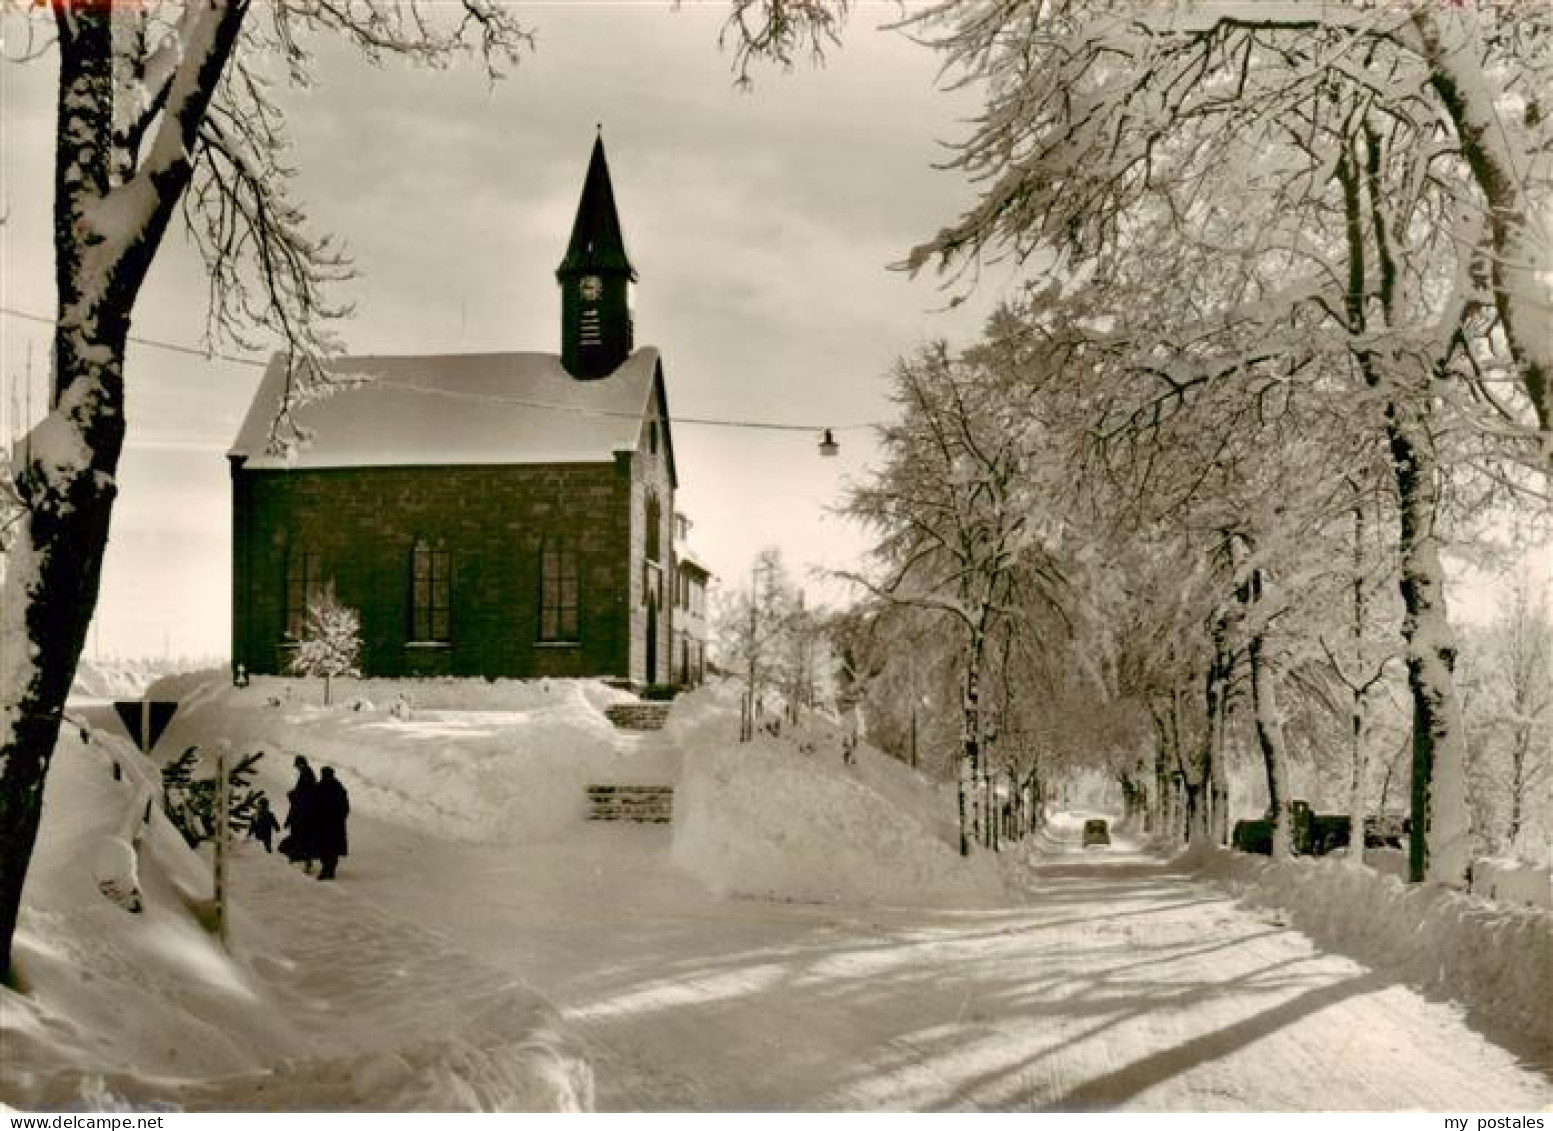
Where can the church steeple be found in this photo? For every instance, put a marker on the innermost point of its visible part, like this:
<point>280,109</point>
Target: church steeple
<point>595,277</point>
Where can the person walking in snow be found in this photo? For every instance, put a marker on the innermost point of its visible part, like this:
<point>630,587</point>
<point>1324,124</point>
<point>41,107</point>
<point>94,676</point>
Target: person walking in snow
<point>849,732</point>
<point>264,825</point>
<point>331,807</point>
<point>300,819</point>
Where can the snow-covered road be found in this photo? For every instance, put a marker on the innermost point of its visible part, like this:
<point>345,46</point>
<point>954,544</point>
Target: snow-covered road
<point>1116,983</point>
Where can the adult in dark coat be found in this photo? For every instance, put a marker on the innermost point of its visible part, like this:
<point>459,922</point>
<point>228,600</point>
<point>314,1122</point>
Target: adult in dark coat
<point>301,841</point>
<point>331,807</point>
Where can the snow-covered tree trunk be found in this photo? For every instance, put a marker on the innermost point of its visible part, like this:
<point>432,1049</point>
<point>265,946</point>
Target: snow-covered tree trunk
<point>1518,757</point>
<point>970,736</point>
<point>1199,784</point>
<point>1440,843</point>
<point>1219,779</point>
<point>105,237</point>
<point>1269,739</point>
<point>1035,793</point>
<point>1358,772</point>
<point>1165,760</point>
<point>1252,594</point>
<point>1178,803</point>
<point>1359,768</point>
<point>1452,48</point>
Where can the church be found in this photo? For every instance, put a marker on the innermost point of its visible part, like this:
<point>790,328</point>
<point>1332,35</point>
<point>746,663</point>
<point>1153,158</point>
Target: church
<point>495,515</point>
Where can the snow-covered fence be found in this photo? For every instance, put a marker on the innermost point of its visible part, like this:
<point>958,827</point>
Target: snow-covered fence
<point>1490,956</point>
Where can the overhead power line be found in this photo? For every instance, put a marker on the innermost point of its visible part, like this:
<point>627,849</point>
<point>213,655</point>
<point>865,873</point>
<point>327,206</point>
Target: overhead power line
<point>492,398</point>
<point>174,347</point>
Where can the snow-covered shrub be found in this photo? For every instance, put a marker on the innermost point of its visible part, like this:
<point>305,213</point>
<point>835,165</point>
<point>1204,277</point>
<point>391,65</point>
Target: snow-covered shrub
<point>331,645</point>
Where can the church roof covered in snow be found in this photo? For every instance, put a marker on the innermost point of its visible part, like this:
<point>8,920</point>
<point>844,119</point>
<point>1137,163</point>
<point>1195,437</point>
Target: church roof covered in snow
<point>492,408</point>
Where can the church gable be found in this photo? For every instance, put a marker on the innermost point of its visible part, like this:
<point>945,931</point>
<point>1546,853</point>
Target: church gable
<point>656,437</point>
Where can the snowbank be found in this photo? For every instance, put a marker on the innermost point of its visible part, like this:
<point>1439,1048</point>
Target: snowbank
<point>783,818</point>
<point>444,693</point>
<point>119,678</point>
<point>146,1009</point>
<point>509,761</point>
<point>107,991</point>
<point>1494,957</point>
<point>1512,881</point>
<point>469,759</point>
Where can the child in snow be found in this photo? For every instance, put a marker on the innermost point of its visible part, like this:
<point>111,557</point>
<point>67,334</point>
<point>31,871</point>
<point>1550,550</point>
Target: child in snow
<point>264,825</point>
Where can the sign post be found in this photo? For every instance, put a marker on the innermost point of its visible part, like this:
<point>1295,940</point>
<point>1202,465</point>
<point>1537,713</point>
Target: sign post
<point>222,837</point>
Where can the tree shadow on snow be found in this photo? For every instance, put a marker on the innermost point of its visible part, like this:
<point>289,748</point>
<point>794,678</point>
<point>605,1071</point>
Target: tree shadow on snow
<point>1114,1088</point>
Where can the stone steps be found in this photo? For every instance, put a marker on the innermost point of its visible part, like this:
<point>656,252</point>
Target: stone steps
<point>638,716</point>
<point>647,804</point>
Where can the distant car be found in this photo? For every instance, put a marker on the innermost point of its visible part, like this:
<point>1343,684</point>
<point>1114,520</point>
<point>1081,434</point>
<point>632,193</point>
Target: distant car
<point>1096,832</point>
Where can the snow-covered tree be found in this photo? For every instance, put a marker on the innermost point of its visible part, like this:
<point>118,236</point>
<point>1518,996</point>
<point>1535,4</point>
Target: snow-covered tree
<point>1523,643</point>
<point>903,666</point>
<point>1094,108</point>
<point>1338,201</point>
<point>331,640</point>
<point>754,636</point>
<point>956,507</point>
<point>1509,707</point>
<point>1358,663</point>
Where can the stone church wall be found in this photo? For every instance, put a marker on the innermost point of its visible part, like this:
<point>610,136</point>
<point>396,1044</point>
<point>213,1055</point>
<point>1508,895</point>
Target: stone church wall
<point>492,520</point>
<point>651,478</point>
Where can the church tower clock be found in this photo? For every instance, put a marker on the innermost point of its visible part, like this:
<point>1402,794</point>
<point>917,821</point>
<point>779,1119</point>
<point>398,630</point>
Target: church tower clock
<point>595,278</point>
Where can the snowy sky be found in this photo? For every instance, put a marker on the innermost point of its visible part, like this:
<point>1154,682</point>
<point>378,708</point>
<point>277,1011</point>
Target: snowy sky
<point>762,225</point>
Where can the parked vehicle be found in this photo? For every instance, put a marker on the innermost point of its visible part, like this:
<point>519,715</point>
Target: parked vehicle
<point>1316,834</point>
<point>1096,832</point>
